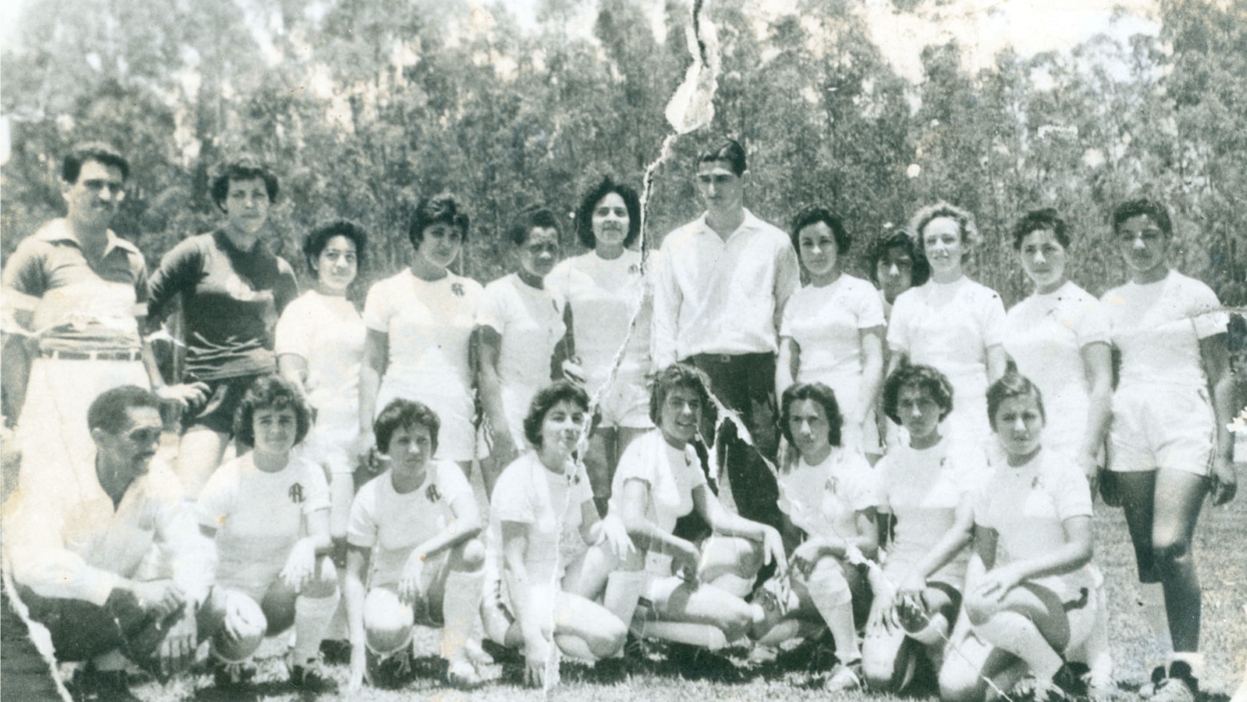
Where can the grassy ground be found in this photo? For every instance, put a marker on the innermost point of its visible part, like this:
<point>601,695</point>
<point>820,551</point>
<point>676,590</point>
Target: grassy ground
<point>1222,568</point>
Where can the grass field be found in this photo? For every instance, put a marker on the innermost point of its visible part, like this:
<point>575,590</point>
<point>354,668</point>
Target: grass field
<point>1219,548</point>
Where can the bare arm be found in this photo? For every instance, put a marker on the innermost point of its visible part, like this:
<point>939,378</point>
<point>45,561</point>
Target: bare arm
<point>490,384</point>
<point>730,524</point>
<point>1074,554</point>
<point>788,365</point>
<point>997,362</point>
<point>1216,361</point>
<point>356,593</point>
<point>872,370</point>
<point>1097,361</point>
<point>371,370</point>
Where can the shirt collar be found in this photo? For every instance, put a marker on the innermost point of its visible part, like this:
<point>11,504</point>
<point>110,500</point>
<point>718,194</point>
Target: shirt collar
<point>58,230</point>
<point>748,224</point>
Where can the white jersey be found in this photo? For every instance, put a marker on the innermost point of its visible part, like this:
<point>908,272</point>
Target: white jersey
<point>1158,327</point>
<point>923,489</point>
<point>259,516</point>
<point>393,524</point>
<point>827,322</point>
<point>824,500</point>
<point>550,505</point>
<point>1045,335</point>
<point>328,333</point>
<point>604,297</point>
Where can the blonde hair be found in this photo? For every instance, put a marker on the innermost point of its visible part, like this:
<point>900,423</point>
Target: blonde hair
<point>970,237</point>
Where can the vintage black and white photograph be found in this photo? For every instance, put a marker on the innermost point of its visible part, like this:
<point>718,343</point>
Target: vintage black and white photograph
<point>497,350</point>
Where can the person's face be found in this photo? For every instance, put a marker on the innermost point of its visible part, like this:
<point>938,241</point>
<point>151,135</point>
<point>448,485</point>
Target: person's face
<point>720,188</point>
<point>131,449</point>
<point>681,415</point>
<point>561,427</point>
<point>895,272</point>
<point>275,429</point>
<point>1018,424</point>
<point>1142,244</point>
<point>410,449</point>
<point>246,205</point>
<point>919,412</point>
<point>1043,259</point>
<point>610,221</point>
<point>810,427</point>
<point>337,264</point>
<point>540,251</point>
<point>93,199</point>
<point>941,239</point>
<point>440,244</point>
<point>817,247</point>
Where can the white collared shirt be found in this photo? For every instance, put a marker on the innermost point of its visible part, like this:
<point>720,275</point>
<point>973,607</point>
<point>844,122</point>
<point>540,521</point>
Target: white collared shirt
<point>721,296</point>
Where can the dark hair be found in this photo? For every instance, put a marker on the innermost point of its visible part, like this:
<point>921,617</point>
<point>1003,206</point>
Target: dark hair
<point>728,150</point>
<point>814,215</point>
<point>1041,220</point>
<point>819,393</point>
<point>92,151</point>
<point>924,378</point>
<point>903,239</point>
<point>404,414</point>
<point>270,392</point>
<point>1012,384</point>
<point>443,208</point>
<point>530,218</point>
<point>588,203</point>
<point>545,400</point>
<point>319,237</point>
<point>681,375</point>
<point>110,411</point>
<point>968,232</point>
<point>1143,206</point>
<point>245,167</point>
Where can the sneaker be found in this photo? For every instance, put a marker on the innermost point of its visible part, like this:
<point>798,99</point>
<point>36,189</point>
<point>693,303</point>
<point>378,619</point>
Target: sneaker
<point>227,675</point>
<point>477,654</point>
<point>461,675</point>
<point>761,655</point>
<point>700,664</point>
<point>390,670</point>
<point>311,676</point>
<point>1179,686</point>
<point>845,676</point>
<point>1149,688</point>
<point>102,685</point>
<point>1032,689</point>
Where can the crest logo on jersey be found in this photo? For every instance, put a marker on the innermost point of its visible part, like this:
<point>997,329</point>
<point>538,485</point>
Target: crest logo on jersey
<point>831,485</point>
<point>432,493</point>
<point>296,493</point>
<point>634,269</point>
<point>457,289</point>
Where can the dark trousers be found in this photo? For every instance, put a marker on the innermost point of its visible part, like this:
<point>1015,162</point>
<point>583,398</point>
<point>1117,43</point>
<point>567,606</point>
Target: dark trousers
<point>24,674</point>
<point>745,384</point>
<point>81,630</point>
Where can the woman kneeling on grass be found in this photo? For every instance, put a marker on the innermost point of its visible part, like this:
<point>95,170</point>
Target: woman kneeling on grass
<point>540,502</point>
<point>413,528</point>
<point>693,592</point>
<point>928,486</point>
<point>829,499</point>
<point>1030,590</point>
<point>267,513</point>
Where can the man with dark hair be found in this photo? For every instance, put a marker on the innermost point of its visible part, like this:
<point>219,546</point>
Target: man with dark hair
<point>722,281</point>
<point>78,556</point>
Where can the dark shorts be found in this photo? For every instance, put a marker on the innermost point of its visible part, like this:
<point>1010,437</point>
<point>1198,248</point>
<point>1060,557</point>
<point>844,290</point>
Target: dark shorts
<point>224,396</point>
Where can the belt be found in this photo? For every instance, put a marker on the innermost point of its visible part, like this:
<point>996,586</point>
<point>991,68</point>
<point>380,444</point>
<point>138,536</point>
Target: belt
<point>106,355</point>
<point>726,358</point>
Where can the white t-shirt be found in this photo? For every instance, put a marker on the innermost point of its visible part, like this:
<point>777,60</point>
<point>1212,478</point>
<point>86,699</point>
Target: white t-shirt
<point>530,322</point>
<point>923,489</point>
<point>1158,327</point>
<point>550,505</point>
<point>429,326</point>
<point>328,333</point>
<point>394,524</point>
<point>1028,504</point>
<point>259,516</point>
<point>1045,335</point>
<point>826,323</point>
<point>604,297</point>
<point>824,500</point>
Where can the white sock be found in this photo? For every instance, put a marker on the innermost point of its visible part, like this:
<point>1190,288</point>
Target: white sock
<point>1152,598</point>
<point>831,596</point>
<point>461,606</point>
<point>311,619</point>
<point>1017,634</point>
<point>623,592</point>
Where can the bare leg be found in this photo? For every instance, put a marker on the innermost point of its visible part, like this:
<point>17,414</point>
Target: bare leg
<point>1174,515</point>
<point>199,455</point>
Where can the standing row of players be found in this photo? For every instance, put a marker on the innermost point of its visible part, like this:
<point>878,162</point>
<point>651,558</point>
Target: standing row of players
<point>723,298</point>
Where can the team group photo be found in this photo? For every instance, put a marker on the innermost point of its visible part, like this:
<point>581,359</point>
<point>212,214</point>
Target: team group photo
<point>874,388</point>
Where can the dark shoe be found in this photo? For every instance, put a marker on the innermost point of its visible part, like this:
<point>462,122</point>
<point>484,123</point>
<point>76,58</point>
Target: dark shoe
<point>461,674</point>
<point>311,676</point>
<point>336,651</point>
<point>1179,686</point>
<point>231,676</point>
<point>101,686</point>
<point>390,671</point>
<point>700,664</point>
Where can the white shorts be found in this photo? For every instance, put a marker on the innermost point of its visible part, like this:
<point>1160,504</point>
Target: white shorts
<point>624,404</point>
<point>1162,426</point>
<point>456,439</point>
<point>331,440</point>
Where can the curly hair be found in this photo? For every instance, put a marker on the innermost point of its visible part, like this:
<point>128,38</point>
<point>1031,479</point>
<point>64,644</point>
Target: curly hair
<point>925,378</point>
<point>443,208</point>
<point>245,167</point>
<point>899,239</point>
<point>545,400</point>
<point>530,218</point>
<point>970,237</point>
<point>270,392</point>
<point>681,375</point>
<point>588,203</point>
<point>815,214</point>
<point>405,414</point>
<point>819,393</point>
<point>110,410</point>
<point>317,239</point>
<point>92,151</point>
<point>1143,206</point>
<point>1045,219</point>
<point>1012,384</point>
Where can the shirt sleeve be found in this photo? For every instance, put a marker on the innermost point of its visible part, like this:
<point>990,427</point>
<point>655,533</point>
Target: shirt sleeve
<point>513,499</point>
<point>785,322</point>
<point>864,486</point>
<point>869,308</point>
<point>294,334</point>
<point>787,272</point>
<point>316,497</point>
<point>637,463</point>
<point>377,309</point>
<point>1093,324</point>
<point>1071,493</point>
<point>492,311</point>
<point>361,528</point>
<point>178,537</point>
<point>898,327</point>
<point>453,484</point>
<point>993,319</point>
<point>982,508</point>
<point>881,481</point>
<point>23,272</point>
<point>286,289</point>
<point>667,298</point>
<point>180,269</point>
<point>1206,312</point>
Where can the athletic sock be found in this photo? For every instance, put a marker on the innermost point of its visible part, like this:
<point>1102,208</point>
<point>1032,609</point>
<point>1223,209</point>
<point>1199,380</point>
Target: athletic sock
<point>461,605</point>
<point>832,598</point>
<point>1152,598</point>
<point>623,593</point>
<point>311,619</point>
<point>1017,634</point>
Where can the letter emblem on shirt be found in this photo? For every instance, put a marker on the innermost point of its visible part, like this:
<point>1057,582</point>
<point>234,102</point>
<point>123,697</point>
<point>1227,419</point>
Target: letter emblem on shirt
<point>432,493</point>
<point>457,289</point>
<point>296,493</point>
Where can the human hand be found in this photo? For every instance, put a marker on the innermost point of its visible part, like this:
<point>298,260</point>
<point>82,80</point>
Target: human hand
<point>805,556</point>
<point>158,597</point>
<point>773,549</point>
<point>687,560</point>
<point>184,395</point>
<point>996,583</point>
<point>177,651</point>
<point>363,442</point>
<point>536,657</point>
<point>409,583</point>
<point>611,532</point>
<point>1224,481</point>
<point>300,564</point>
<point>238,624</point>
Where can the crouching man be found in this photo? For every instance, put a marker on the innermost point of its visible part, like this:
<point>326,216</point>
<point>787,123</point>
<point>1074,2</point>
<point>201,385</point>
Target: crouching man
<point>77,554</point>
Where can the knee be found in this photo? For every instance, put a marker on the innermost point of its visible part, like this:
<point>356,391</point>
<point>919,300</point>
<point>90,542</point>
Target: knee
<point>749,558</point>
<point>978,610</point>
<point>609,639</point>
<point>880,665</point>
<point>827,582</point>
<point>470,556</point>
<point>1168,552</point>
<point>739,619</point>
<point>250,624</point>
<point>960,683</point>
<point>387,621</point>
<point>324,582</point>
